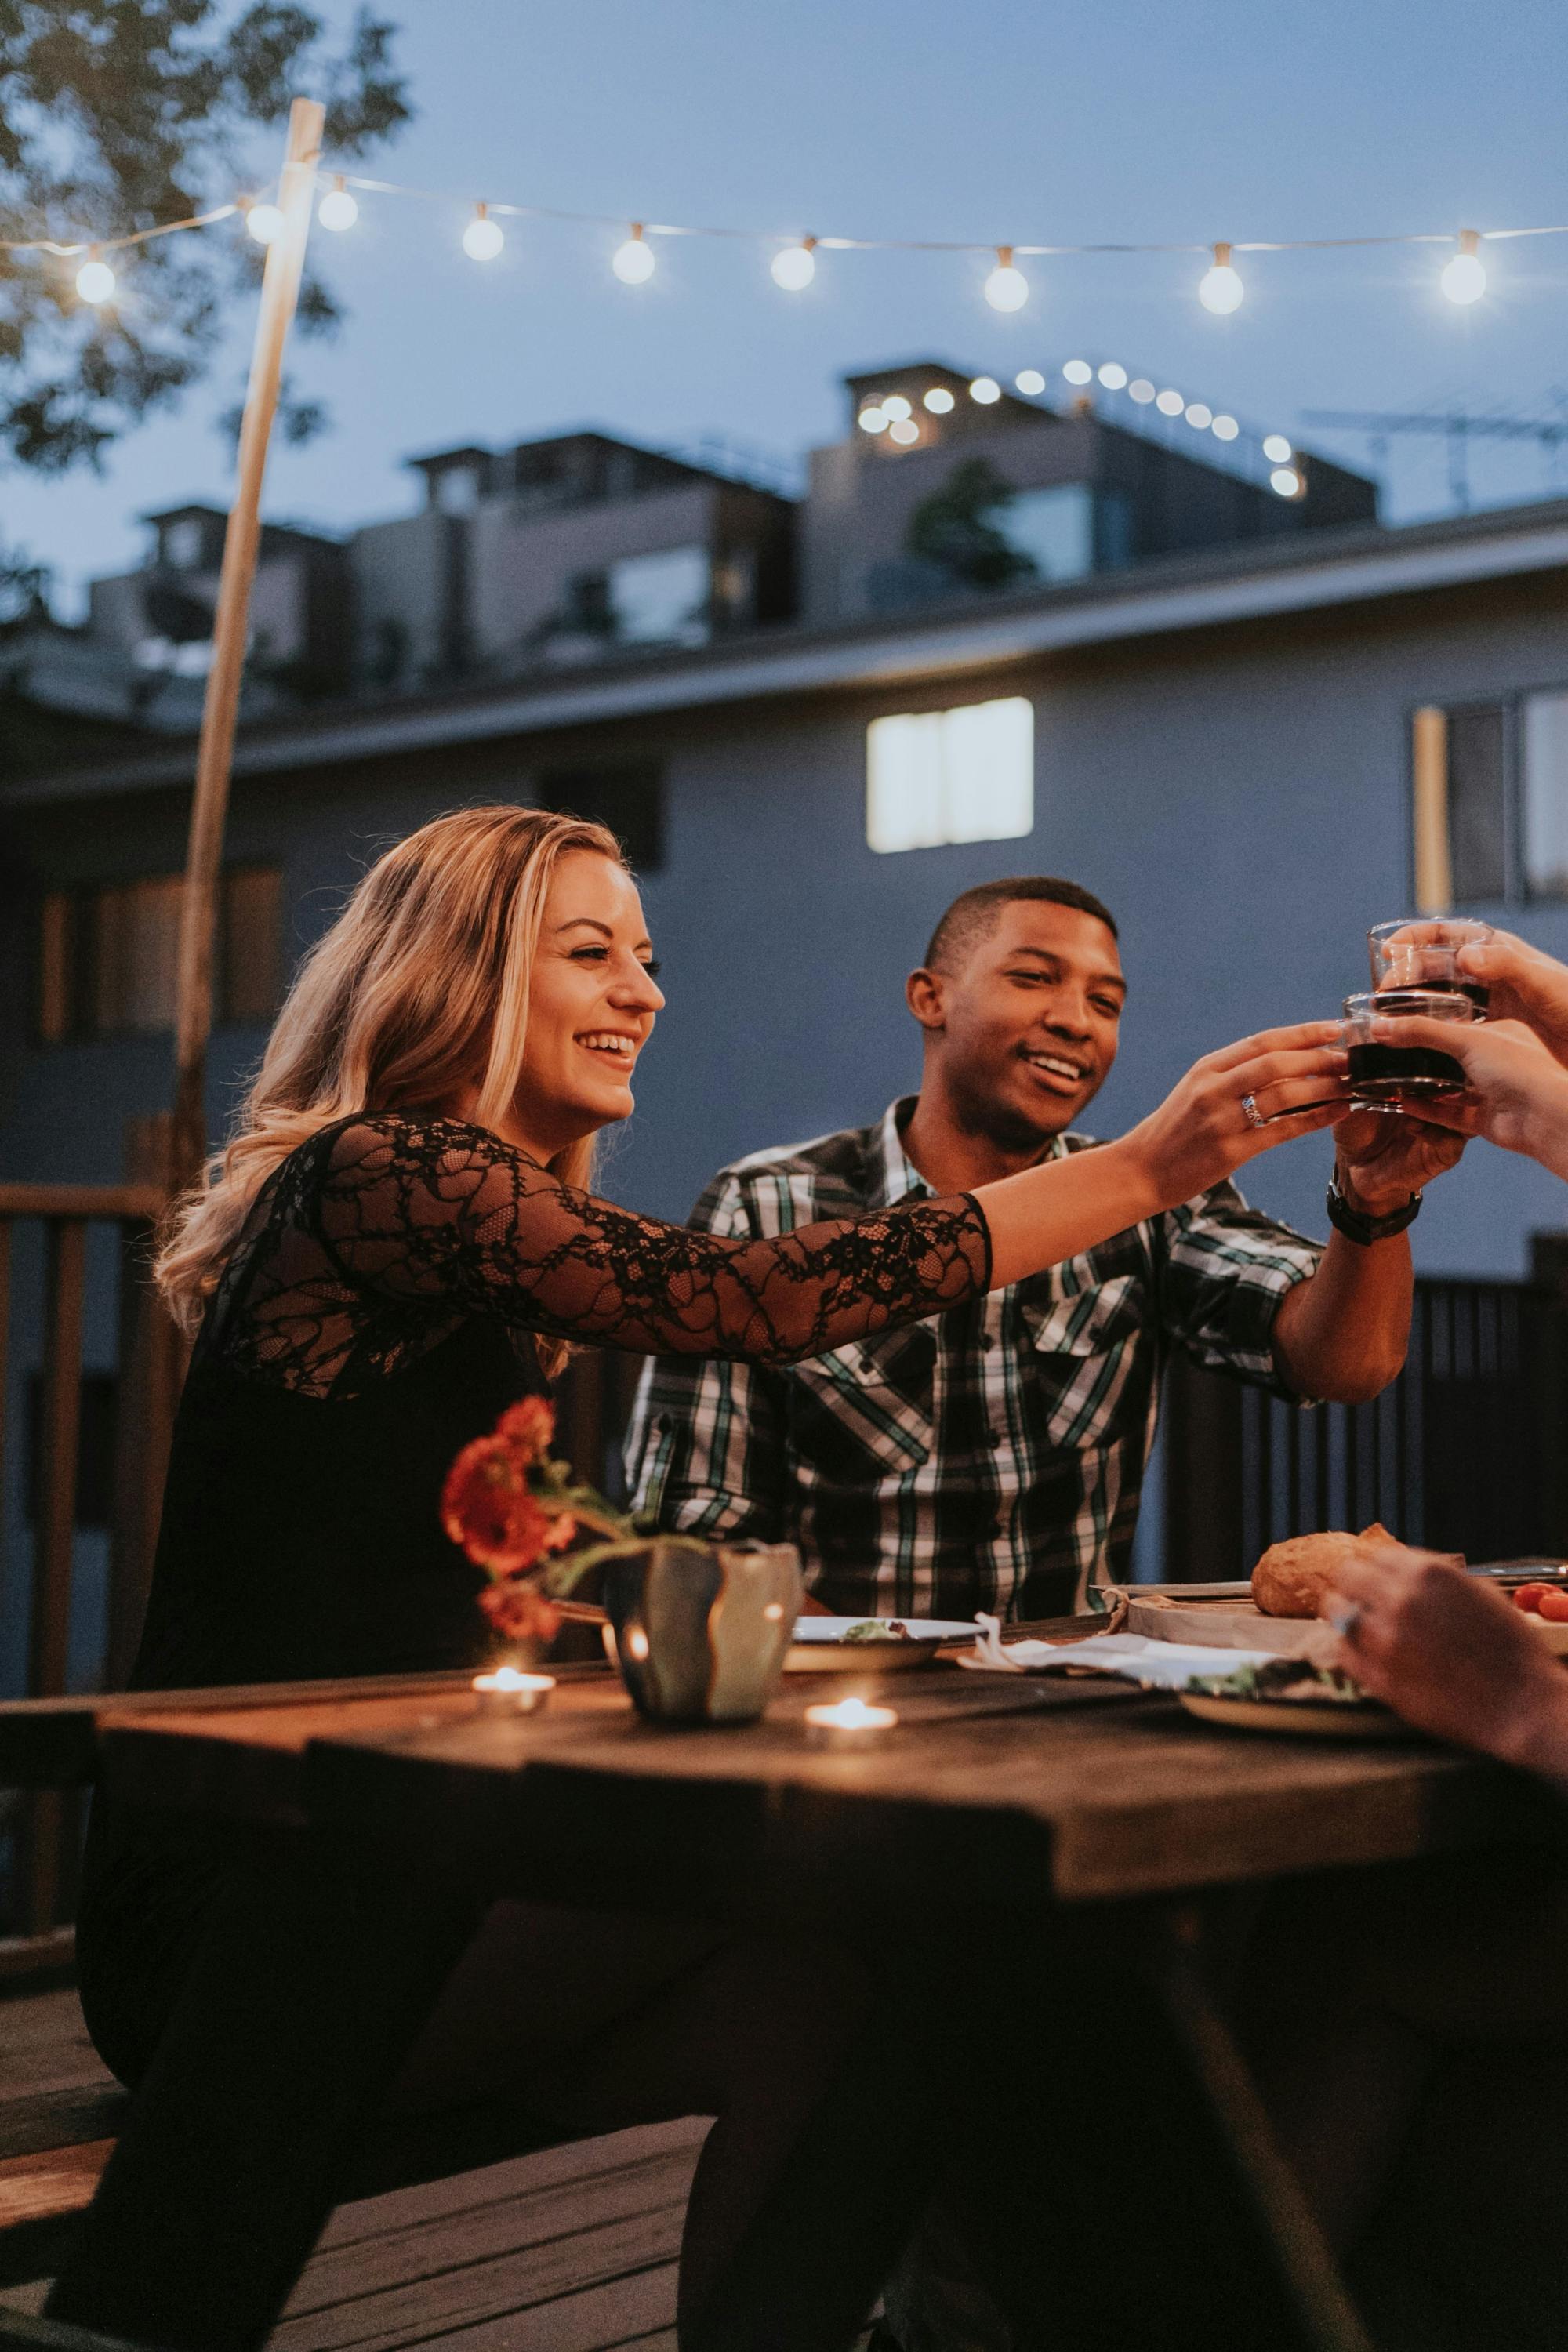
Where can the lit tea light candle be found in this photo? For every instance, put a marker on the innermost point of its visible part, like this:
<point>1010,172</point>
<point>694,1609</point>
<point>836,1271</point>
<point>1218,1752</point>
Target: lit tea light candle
<point>508,1692</point>
<point>849,1724</point>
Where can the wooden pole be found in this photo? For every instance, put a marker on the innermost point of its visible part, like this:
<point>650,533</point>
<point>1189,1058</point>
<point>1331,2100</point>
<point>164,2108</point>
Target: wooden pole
<point>214,754</point>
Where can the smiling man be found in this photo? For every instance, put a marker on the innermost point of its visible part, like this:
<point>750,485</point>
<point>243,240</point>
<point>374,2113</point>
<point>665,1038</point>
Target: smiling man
<point>992,1457</point>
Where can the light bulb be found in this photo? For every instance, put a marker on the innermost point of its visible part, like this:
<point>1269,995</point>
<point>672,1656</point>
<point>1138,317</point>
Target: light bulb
<point>1006,289</point>
<point>1286,482</point>
<point>895,405</point>
<point>903,430</point>
<point>1112,376</point>
<point>265,222</point>
<point>1220,288</point>
<point>1029,380</point>
<point>939,400</point>
<point>1078,372</point>
<point>337,209</point>
<point>95,282</point>
<point>1224,428</point>
<point>1199,417</point>
<point>1276,449</point>
<point>633,262</point>
<point>985,389</point>
<point>1140,390</point>
<point>1169,404</point>
<point>873,420</point>
<point>482,239</point>
<point>1465,277</point>
<point>794,266</point>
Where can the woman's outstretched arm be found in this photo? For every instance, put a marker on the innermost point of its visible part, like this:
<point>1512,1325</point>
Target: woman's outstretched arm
<point>418,1207</point>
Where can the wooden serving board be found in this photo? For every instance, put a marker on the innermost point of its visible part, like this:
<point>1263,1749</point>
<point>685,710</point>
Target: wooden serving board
<point>1226,1617</point>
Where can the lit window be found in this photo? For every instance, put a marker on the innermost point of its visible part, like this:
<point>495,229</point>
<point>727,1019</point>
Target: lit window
<point>939,776</point>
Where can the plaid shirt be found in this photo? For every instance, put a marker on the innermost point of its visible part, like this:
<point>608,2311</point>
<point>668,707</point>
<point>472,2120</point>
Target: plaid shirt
<point>991,1457</point>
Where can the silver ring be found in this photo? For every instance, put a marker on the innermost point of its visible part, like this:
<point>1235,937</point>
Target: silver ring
<point>1250,1105</point>
<point>1345,1620</point>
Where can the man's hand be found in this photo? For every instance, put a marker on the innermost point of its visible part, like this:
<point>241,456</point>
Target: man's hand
<point>1451,1656</point>
<point>1382,1160</point>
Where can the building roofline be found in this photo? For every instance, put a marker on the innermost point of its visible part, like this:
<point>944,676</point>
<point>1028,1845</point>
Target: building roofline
<point>1311,571</point>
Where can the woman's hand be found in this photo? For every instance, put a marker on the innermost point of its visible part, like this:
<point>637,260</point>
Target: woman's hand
<point>1516,1091</point>
<point>1449,1655</point>
<point>1525,986</point>
<point>1295,1080</point>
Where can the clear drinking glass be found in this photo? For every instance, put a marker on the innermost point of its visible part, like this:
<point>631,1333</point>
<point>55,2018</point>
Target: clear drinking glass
<point>1397,1078</point>
<point>1423,950</point>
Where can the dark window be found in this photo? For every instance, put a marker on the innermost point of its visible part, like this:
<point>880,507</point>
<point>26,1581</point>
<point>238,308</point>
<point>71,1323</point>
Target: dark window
<point>1478,827</point>
<point>107,958</point>
<point>629,799</point>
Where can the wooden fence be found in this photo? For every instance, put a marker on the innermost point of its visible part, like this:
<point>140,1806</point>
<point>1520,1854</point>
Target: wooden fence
<point>41,1408</point>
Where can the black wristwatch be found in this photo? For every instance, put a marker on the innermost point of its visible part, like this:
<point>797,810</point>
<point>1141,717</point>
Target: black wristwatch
<point>1365,1229</point>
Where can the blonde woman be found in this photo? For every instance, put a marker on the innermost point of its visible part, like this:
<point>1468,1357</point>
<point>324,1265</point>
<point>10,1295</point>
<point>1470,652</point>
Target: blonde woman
<point>396,1244</point>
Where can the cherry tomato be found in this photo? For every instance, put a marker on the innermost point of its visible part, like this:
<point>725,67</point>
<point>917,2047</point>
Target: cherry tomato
<point>1554,1607</point>
<point>1528,1597</point>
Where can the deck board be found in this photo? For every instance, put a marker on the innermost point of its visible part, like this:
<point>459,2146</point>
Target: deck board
<point>570,2249</point>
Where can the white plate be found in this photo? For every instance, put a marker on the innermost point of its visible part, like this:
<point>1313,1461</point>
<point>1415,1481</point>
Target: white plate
<point>819,1646</point>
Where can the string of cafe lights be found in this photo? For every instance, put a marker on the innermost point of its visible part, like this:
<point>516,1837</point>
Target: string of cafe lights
<point>793,267</point>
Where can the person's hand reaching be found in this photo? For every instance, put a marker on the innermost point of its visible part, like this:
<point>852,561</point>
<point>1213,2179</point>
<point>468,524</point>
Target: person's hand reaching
<point>1516,1091</point>
<point>1451,1655</point>
<point>1524,984</point>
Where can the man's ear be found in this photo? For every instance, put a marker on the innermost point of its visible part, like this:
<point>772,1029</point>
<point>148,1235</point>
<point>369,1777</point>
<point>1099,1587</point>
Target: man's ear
<point>925,995</point>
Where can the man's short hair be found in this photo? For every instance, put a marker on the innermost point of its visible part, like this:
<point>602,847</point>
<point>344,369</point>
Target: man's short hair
<point>973,913</point>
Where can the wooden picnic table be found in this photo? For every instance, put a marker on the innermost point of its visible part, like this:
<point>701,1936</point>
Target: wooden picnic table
<point>1041,1861</point>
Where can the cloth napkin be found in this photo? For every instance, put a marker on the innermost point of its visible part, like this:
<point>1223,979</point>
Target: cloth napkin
<point>1156,1665</point>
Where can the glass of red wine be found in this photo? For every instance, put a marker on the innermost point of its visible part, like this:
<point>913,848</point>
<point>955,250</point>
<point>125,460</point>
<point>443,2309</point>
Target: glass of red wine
<point>1422,952</point>
<point>1388,1077</point>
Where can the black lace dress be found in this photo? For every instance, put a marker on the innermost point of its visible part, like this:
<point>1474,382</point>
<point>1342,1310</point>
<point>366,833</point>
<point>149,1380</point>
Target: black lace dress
<point>379,1311</point>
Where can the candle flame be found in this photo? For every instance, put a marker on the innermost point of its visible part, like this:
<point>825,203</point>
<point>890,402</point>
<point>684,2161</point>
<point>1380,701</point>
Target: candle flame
<point>852,1714</point>
<point>507,1678</point>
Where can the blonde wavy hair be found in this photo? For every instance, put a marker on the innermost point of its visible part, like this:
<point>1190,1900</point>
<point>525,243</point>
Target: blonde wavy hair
<point>419,989</point>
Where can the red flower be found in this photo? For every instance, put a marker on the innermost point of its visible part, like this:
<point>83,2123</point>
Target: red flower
<point>529,1425</point>
<point>518,1613</point>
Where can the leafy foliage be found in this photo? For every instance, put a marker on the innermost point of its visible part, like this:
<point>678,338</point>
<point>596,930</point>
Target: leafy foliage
<point>118,114</point>
<point>956,528</point>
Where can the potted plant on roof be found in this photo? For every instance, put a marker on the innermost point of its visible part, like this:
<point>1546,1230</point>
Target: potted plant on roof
<point>699,1630</point>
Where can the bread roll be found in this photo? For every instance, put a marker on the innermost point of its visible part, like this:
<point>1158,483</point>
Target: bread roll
<point>1290,1577</point>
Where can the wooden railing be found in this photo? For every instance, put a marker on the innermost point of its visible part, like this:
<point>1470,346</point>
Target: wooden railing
<point>45,1349</point>
<point>1464,1452</point>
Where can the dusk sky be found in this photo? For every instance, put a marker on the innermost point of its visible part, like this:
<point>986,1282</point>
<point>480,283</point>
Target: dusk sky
<point>910,119</point>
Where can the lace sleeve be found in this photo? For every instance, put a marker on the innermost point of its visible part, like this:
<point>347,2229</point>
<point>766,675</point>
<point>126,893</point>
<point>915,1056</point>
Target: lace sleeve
<point>432,1208</point>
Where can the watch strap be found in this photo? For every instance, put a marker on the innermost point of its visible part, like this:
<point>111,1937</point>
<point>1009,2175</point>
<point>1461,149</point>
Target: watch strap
<point>1358,1227</point>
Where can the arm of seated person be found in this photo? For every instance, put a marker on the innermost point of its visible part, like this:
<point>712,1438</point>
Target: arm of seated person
<point>1450,1654</point>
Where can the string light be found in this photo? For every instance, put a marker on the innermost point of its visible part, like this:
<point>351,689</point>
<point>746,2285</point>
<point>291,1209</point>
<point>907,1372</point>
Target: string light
<point>1170,403</point>
<point>903,430</point>
<point>985,389</point>
<point>265,222</point>
<point>483,238</point>
<point>939,400</point>
<point>95,280</point>
<point>895,408</point>
<point>1276,449</point>
<point>1006,289</point>
<point>1220,288</point>
<point>1224,428</point>
<point>1078,372</point>
<point>1199,416</point>
<point>1030,380</point>
<point>873,420</point>
<point>1287,482</point>
<point>1140,390</point>
<point>1465,279</point>
<point>633,262</point>
<point>795,266</point>
<point>1112,376</point>
<point>337,209</point>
